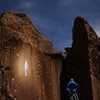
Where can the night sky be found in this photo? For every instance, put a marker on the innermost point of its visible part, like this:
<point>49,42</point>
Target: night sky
<point>54,18</point>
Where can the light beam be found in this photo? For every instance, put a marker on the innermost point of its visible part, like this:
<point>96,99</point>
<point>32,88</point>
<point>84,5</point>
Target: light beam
<point>26,68</point>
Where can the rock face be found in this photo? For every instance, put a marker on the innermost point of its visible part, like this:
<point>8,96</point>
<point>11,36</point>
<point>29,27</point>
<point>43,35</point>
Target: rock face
<point>30,69</point>
<point>82,61</point>
<point>29,66</point>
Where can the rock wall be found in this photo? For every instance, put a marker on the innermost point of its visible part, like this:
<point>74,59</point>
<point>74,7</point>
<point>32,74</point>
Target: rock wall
<point>82,61</point>
<point>31,69</point>
<point>21,44</point>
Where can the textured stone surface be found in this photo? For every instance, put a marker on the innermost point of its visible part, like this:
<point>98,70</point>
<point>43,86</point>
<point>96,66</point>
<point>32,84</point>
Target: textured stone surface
<point>20,41</point>
<point>82,61</point>
<point>48,70</point>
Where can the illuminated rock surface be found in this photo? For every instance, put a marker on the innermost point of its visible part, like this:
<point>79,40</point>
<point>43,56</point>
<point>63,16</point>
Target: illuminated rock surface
<point>21,42</point>
<point>31,69</point>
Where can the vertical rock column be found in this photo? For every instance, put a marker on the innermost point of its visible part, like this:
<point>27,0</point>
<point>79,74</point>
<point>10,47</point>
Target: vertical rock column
<point>82,60</point>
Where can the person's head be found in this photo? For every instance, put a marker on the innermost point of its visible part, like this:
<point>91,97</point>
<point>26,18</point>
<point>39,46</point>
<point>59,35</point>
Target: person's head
<point>71,79</point>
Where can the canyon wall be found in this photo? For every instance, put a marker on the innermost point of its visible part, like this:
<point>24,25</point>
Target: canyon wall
<point>20,44</point>
<point>82,61</point>
<point>31,69</point>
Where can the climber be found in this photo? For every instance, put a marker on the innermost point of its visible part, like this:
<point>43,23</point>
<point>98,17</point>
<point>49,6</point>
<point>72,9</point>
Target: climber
<point>72,86</point>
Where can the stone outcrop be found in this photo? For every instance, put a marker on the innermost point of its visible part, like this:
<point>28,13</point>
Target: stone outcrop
<point>31,69</point>
<point>21,43</point>
<point>82,61</point>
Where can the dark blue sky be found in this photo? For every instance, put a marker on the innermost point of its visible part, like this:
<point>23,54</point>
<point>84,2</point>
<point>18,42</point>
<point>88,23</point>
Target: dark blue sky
<point>54,18</point>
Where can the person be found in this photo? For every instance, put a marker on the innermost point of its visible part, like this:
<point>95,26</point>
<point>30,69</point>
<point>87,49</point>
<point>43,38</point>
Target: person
<point>72,86</point>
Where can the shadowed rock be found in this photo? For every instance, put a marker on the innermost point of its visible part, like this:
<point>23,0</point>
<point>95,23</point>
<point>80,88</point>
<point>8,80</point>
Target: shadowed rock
<point>82,62</point>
